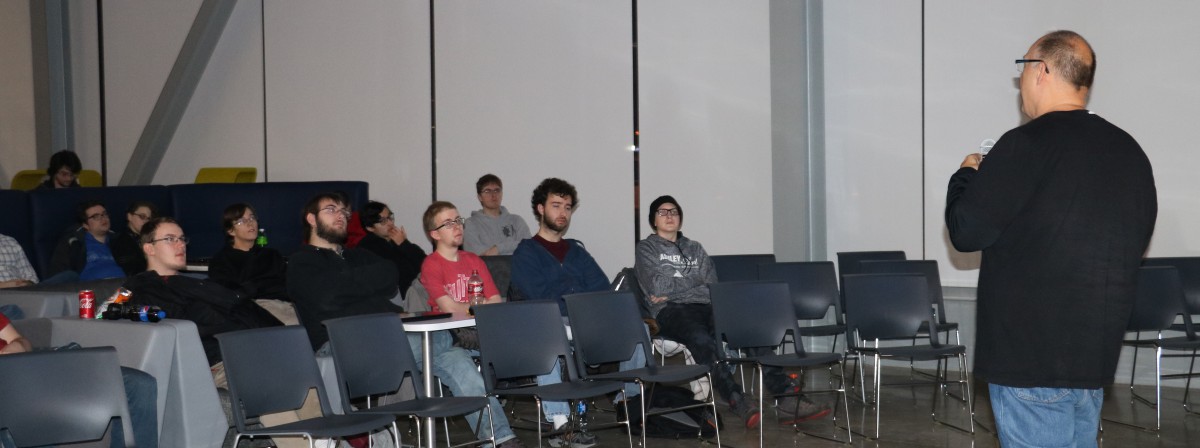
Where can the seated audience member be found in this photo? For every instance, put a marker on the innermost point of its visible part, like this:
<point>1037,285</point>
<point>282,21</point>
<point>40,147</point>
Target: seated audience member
<point>446,270</point>
<point>63,171</point>
<point>254,272</point>
<point>391,243</point>
<point>327,280</point>
<point>549,266</point>
<point>675,272</point>
<point>141,392</point>
<point>15,270</point>
<point>126,244</point>
<point>85,253</point>
<point>214,308</point>
<point>492,230</point>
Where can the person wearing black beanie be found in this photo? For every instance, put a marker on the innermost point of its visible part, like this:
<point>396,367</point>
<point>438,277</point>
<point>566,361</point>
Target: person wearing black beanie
<point>675,272</point>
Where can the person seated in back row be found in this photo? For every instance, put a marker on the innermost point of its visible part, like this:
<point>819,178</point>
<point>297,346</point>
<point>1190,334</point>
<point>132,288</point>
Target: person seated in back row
<point>63,171</point>
<point>492,230</point>
<point>389,242</point>
<point>86,253</point>
<point>255,272</point>
<point>126,244</point>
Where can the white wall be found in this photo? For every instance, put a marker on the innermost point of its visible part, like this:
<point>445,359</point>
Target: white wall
<point>141,41</point>
<point>18,143</point>
<point>705,106</point>
<point>873,126</point>
<point>534,89</point>
<point>348,98</point>
<point>1142,85</point>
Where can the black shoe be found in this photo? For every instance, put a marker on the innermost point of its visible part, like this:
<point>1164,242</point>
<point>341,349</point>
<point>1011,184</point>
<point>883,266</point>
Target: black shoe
<point>797,409</point>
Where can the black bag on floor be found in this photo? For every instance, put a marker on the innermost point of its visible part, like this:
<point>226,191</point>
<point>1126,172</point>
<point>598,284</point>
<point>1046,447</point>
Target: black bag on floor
<point>685,424</point>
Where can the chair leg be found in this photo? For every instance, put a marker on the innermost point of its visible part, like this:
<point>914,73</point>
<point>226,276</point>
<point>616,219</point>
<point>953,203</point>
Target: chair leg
<point>1158,389</point>
<point>878,403</point>
<point>761,423</point>
<point>1133,365</point>
<point>642,402</point>
<point>1187,388</point>
<point>712,401</point>
<point>963,380</point>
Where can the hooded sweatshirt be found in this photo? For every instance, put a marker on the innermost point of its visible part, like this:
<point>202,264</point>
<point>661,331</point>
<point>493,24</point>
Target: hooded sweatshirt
<point>504,232</point>
<point>679,270</point>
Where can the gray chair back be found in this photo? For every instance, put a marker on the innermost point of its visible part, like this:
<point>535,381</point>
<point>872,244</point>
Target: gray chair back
<point>59,397</point>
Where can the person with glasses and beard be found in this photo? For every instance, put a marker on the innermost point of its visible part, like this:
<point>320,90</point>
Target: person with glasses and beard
<point>675,271</point>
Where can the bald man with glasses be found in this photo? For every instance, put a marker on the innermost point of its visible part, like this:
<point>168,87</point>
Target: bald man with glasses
<point>1063,210</point>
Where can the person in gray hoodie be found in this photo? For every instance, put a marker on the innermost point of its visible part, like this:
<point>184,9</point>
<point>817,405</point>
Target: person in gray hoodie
<point>492,230</point>
<point>675,272</point>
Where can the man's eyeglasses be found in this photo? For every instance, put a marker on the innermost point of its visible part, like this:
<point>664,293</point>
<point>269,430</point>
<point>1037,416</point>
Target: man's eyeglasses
<point>333,210</point>
<point>490,191</point>
<point>172,240</point>
<point>1021,64</point>
<point>143,216</point>
<point>389,218</point>
<point>452,223</point>
<point>96,216</point>
<point>246,220</point>
<point>664,212</point>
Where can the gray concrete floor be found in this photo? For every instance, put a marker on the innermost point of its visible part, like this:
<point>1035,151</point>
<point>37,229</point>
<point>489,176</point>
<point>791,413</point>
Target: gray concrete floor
<point>906,422</point>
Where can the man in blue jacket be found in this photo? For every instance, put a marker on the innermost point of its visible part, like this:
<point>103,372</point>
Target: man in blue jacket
<point>549,266</point>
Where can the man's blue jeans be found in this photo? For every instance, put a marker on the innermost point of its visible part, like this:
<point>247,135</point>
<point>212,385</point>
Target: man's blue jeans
<point>1046,417</point>
<point>552,408</point>
<point>457,371</point>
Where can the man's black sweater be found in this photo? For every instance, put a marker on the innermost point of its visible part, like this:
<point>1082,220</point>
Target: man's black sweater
<point>326,285</point>
<point>1063,209</point>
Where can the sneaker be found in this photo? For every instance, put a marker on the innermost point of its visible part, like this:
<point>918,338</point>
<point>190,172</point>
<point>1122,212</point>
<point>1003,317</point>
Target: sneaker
<point>511,443</point>
<point>574,439</point>
<point>796,409</point>
<point>747,410</point>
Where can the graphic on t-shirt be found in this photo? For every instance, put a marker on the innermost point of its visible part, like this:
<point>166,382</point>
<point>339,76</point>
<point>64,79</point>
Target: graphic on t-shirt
<point>458,289</point>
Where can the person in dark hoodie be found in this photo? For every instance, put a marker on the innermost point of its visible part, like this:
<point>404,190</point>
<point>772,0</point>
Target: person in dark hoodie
<point>213,308</point>
<point>127,243</point>
<point>390,243</point>
<point>675,272</point>
<point>255,272</point>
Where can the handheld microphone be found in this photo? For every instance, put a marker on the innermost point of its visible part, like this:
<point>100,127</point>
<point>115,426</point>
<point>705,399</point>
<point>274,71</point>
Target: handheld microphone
<point>985,146</point>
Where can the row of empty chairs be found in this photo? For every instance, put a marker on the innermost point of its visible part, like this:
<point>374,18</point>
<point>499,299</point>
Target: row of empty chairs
<point>877,281</point>
<point>1168,300</point>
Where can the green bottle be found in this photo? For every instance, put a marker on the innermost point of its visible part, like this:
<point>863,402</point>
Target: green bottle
<point>261,241</point>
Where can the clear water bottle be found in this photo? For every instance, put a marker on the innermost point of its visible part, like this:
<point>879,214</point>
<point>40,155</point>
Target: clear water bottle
<point>475,289</point>
<point>261,241</point>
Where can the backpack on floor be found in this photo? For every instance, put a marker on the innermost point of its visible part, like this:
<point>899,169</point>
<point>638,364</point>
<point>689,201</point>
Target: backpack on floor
<point>685,424</point>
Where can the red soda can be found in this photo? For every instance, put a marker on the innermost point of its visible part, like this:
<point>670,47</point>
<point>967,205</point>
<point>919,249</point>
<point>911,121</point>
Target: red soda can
<point>87,304</point>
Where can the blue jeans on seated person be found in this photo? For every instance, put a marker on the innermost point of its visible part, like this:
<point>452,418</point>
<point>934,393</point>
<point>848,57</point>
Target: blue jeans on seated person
<point>457,370</point>
<point>1045,416</point>
<point>141,394</point>
<point>552,408</point>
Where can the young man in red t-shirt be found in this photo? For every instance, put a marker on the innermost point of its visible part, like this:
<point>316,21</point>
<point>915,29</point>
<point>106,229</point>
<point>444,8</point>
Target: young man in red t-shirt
<point>445,272</point>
